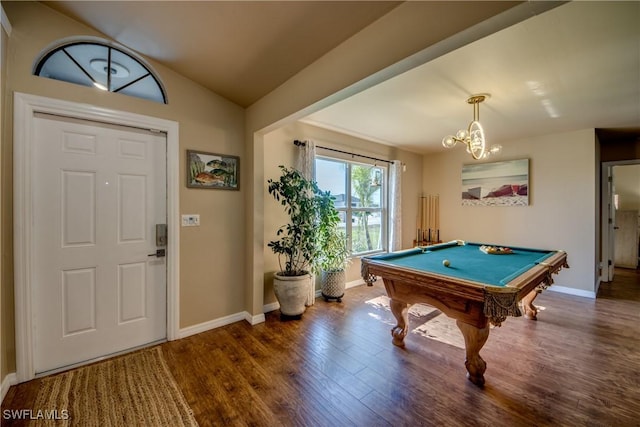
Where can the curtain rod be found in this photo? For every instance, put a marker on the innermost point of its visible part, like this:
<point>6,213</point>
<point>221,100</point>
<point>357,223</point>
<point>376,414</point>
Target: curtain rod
<point>302,144</point>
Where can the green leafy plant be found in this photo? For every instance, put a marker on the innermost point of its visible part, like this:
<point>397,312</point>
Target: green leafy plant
<point>333,254</point>
<point>307,207</point>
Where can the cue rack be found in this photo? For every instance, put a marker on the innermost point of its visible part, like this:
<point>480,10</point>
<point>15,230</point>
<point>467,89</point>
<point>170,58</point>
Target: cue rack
<point>428,220</point>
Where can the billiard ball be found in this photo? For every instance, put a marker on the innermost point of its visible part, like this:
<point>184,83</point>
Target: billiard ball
<point>446,263</point>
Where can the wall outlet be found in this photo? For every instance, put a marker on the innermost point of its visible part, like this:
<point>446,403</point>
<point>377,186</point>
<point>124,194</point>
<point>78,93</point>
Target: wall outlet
<point>191,220</point>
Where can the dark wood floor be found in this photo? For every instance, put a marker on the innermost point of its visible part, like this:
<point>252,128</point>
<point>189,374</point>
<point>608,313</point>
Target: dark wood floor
<point>578,365</point>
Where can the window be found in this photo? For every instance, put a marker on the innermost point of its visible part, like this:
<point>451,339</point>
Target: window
<point>360,195</point>
<point>95,63</point>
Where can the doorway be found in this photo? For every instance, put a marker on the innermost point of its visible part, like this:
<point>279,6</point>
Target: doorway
<point>620,208</point>
<point>78,284</point>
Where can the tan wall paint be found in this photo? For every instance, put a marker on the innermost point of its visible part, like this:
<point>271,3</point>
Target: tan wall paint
<point>279,150</point>
<point>211,271</point>
<point>562,205</point>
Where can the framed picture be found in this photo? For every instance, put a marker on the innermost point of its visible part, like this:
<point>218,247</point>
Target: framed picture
<point>496,184</point>
<point>211,170</point>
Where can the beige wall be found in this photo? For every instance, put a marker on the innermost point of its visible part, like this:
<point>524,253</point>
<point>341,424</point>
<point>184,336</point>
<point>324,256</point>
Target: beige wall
<point>279,150</point>
<point>562,204</point>
<point>211,275</point>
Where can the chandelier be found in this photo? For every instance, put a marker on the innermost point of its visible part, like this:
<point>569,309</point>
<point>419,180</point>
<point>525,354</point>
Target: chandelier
<point>473,137</point>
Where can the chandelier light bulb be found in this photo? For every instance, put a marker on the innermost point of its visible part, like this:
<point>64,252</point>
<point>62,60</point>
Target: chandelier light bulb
<point>462,134</point>
<point>448,141</point>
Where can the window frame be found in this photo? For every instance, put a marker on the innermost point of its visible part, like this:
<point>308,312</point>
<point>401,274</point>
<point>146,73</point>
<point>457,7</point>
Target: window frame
<point>61,46</point>
<point>349,210</point>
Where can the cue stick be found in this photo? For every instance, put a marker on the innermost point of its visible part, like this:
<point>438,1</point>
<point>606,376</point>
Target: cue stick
<point>438,217</point>
<point>424,206</point>
<point>431,219</point>
<point>418,224</point>
<point>428,217</point>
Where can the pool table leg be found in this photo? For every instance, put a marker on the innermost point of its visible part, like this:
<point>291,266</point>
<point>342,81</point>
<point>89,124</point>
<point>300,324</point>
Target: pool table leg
<point>530,310</point>
<point>474,339</point>
<point>401,312</point>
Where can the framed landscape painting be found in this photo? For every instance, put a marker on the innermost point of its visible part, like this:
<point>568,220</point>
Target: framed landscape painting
<point>496,184</point>
<point>211,170</point>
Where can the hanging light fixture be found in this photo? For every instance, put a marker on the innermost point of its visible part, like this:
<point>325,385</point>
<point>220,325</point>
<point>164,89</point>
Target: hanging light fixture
<point>473,137</point>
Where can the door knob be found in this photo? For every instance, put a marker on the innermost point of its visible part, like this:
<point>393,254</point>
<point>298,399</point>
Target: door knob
<point>159,253</point>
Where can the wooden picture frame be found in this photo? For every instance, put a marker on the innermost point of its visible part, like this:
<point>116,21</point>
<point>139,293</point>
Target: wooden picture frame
<point>212,170</point>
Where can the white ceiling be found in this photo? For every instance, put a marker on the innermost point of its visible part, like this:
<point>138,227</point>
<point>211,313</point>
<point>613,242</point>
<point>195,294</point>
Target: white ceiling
<point>573,67</point>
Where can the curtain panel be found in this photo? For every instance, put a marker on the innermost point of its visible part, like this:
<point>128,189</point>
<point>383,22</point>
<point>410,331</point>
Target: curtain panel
<point>395,206</point>
<point>305,162</point>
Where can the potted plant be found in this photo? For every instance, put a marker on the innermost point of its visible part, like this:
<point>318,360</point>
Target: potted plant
<point>296,245</point>
<point>333,259</point>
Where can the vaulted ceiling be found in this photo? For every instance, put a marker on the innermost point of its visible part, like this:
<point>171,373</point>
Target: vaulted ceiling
<point>575,66</point>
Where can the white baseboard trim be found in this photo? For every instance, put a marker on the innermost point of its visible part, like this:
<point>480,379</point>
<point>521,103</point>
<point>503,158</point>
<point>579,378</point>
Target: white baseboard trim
<point>254,320</point>
<point>8,381</point>
<point>223,321</point>
<point>573,291</point>
<point>270,307</point>
<point>212,324</point>
<point>354,283</point>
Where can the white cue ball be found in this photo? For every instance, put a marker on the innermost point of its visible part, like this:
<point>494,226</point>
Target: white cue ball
<point>446,263</point>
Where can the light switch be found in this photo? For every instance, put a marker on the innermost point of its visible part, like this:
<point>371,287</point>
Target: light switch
<point>191,220</point>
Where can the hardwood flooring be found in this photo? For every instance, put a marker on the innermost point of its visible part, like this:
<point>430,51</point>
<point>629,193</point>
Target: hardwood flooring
<point>577,365</point>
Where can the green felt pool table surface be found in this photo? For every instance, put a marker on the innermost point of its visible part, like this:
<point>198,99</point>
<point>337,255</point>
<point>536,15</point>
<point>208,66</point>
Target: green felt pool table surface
<point>468,262</point>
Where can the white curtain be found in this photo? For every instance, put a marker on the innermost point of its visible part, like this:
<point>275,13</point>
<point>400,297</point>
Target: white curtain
<point>305,159</point>
<point>305,163</point>
<point>395,206</point>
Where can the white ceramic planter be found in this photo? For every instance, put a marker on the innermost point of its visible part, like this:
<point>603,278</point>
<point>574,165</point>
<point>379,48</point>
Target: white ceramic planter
<point>291,292</point>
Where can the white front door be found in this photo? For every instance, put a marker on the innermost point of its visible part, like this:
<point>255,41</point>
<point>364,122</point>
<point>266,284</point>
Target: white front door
<point>98,192</point>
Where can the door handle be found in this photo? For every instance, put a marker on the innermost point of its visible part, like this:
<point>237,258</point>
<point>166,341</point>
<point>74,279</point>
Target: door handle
<point>159,253</point>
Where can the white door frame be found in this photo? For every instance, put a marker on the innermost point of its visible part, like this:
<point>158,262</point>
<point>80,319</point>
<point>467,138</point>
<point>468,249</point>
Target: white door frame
<point>605,227</point>
<point>24,107</point>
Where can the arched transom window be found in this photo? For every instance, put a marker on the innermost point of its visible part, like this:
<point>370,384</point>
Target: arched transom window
<point>92,63</point>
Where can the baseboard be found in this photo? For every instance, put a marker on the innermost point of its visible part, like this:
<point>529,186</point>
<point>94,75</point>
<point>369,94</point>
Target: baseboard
<point>212,324</point>
<point>254,320</point>
<point>573,291</point>
<point>354,283</point>
<point>8,381</point>
<point>270,307</point>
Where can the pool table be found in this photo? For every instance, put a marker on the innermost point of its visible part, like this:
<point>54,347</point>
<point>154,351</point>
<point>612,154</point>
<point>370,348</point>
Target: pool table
<point>477,287</point>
